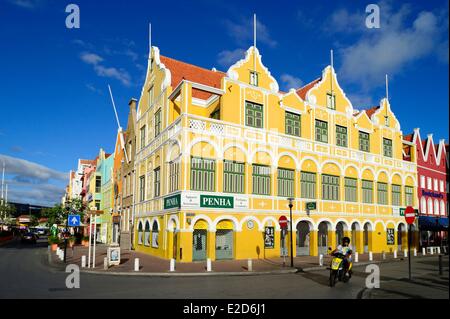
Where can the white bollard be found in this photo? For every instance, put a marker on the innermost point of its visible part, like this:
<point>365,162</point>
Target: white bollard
<point>320,260</point>
<point>432,250</point>
<point>384,255</point>
<point>136,264</point>
<point>83,261</point>
<point>356,257</point>
<point>208,264</point>
<point>370,256</point>
<point>439,250</point>
<point>395,254</point>
<point>172,264</point>
<point>250,265</point>
<point>61,255</point>
<point>424,251</point>
<point>405,253</point>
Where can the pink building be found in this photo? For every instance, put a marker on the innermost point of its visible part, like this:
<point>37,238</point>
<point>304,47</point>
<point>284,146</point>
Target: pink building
<point>433,179</point>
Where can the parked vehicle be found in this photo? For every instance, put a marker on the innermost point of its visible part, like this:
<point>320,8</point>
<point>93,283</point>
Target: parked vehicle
<point>337,271</point>
<point>29,238</point>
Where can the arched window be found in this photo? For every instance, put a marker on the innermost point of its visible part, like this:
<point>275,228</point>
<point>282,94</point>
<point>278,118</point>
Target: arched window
<point>147,234</point>
<point>442,208</point>
<point>430,206</point>
<point>155,233</point>
<point>423,205</point>
<point>436,207</point>
<point>140,233</point>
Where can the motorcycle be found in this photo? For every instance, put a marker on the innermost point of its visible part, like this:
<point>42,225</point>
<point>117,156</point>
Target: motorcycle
<point>337,269</point>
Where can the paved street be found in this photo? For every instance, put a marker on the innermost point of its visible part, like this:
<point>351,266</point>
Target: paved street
<point>26,274</point>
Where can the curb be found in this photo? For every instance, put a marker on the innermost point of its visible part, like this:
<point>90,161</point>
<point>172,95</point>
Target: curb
<point>59,266</point>
<point>187,274</point>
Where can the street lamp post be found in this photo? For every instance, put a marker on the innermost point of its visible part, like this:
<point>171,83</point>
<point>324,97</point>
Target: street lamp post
<point>290,224</point>
<point>65,234</point>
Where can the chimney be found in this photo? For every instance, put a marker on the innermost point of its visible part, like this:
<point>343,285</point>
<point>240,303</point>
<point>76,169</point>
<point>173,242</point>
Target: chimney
<point>132,103</point>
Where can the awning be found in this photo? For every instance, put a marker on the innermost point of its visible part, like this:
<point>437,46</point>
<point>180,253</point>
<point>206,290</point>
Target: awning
<point>433,223</point>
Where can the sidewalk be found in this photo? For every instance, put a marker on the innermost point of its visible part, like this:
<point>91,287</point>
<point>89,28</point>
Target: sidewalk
<point>150,265</point>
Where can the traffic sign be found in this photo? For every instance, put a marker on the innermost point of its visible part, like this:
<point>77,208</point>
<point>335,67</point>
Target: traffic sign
<point>402,212</point>
<point>311,206</point>
<point>73,220</point>
<point>410,215</point>
<point>283,222</point>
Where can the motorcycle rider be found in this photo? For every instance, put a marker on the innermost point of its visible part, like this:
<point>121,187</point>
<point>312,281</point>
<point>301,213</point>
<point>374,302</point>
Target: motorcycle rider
<point>346,250</point>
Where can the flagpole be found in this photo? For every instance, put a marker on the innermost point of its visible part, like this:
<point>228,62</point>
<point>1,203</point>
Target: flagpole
<point>254,42</point>
<point>118,123</point>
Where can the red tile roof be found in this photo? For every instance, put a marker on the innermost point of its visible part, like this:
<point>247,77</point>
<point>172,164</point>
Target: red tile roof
<point>185,71</point>
<point>408,137</point>
<point>303,90</point>
<point>371,111</point>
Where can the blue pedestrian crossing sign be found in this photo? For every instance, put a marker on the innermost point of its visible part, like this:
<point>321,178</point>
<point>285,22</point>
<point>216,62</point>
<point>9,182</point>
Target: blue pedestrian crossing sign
<point>74,220</point>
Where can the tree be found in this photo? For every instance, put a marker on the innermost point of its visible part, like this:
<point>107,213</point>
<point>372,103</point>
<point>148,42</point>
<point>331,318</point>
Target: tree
<point>6,211</point>
<point>55,215</point>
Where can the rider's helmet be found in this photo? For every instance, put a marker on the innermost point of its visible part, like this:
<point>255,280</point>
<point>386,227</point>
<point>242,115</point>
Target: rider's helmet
<point>345,240</point>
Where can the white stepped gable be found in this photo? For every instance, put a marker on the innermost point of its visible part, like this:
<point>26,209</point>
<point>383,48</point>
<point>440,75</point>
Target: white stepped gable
<point>232,74</point>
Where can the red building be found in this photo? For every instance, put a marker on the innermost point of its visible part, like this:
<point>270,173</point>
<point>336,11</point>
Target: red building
<point>433,178</point>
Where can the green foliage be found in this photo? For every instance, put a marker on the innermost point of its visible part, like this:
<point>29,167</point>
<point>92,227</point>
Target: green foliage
<point>58,213</point>
<point>53,240</point>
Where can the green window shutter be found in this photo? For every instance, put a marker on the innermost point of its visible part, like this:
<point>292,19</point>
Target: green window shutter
<point>157,122</point>
<point>321,131</point>
<point>382,193</point>
<point>203,174</point>
<point>308,185</point>
<point>350,189</point>
<point>409,195</point>
<point>387,147</point>
<point>364,142</point>
<point>292,124</point>
<point>331,101</point>
<point>157,182</point>
<point>396,195</point>
<point>261,180</point>
<point>341,136</point>
<point>330,187</point>
<point>286,182</point>
<point>174,168</point>
<point>254,115</point>
<point>233,177</point>
<point>367,191</point>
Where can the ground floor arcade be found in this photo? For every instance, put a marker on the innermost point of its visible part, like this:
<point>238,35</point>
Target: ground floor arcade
<point>191,236</point>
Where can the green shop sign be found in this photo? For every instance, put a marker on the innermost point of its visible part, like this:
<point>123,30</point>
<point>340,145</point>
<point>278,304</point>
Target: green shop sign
<point>216,201</point>
<point>311,206</point>
<point>173,201</point>
<point>402,212</point>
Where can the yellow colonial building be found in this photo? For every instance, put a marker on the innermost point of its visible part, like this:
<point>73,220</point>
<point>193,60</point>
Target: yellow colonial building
<point>219,154</point>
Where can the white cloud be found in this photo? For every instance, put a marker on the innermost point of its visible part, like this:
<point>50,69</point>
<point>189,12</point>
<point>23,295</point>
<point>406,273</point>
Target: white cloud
<point>109,72</point>
<point>28,4</point>
<point>29,182</point>
<point>227,58</point>
<point>391,48</point>
<point>290,81</point>
<point>242,32</point>
<point>91,58</point>
<point>92,88</point>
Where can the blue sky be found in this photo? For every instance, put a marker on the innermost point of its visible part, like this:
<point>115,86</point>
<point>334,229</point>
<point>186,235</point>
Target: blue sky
<point>54,100</point>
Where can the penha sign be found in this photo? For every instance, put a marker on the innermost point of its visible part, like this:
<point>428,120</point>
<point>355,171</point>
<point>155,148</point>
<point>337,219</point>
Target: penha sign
<point>216,201</point>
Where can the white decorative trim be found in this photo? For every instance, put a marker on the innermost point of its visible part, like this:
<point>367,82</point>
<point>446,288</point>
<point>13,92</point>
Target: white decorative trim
<point>288,155</point>
<point>255,219</point>
<point>237,226</point>
<point>232,74</point>
<point>205,218</point>
<point>331,226</point>
<point>206,140</point>
<point>344,222</point>
<point>325,73</point>
<point>276,225</point>
<point>310,221</point>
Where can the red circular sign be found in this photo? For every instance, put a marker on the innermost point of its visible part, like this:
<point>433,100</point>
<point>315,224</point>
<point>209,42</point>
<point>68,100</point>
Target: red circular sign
<point>283,221</point>
<point>410,215</point>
